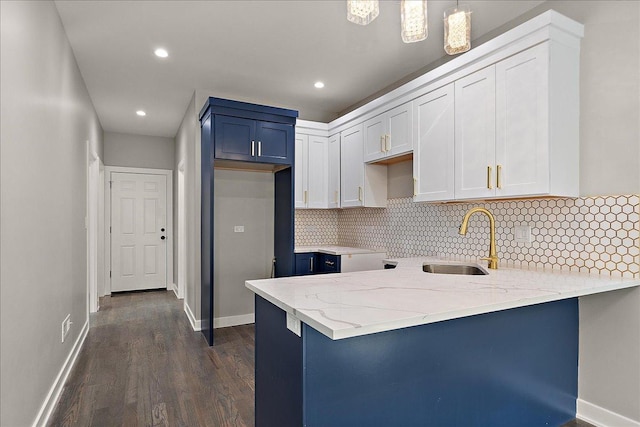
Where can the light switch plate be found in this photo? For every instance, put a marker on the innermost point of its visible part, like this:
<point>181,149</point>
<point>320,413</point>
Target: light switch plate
<point>522,233</point>
<point>293,324</point>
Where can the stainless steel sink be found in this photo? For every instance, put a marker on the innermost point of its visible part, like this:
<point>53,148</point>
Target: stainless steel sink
<point>464,269</point>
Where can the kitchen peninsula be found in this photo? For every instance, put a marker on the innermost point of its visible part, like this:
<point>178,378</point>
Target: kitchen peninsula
<point>405,347</point>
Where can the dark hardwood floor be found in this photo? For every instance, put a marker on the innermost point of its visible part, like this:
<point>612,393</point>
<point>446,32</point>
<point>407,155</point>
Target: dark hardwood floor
<point>142,364</point>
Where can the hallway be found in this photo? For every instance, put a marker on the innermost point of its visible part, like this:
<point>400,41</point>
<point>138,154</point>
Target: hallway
<point>142,364</point>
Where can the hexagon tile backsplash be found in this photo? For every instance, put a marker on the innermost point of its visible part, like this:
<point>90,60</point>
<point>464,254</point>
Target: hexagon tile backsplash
<point>590,234</point>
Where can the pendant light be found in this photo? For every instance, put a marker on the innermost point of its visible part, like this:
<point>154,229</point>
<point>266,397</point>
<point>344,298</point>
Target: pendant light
<point>413,15</point>
<point>457,30</point>
<point>362,12</point>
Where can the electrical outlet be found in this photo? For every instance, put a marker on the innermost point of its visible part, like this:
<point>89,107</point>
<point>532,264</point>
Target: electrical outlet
<point>66,326</point>
<point>238,228</point>
<point>522,233</point>
<point>293,324</point>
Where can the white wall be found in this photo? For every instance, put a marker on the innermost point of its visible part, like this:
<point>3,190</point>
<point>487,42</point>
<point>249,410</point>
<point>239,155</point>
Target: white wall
<point>187,144</point>
<point>139,151</point>
<point>47,117</point>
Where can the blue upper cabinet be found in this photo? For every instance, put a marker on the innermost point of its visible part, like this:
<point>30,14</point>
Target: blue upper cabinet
<point>251,133</point>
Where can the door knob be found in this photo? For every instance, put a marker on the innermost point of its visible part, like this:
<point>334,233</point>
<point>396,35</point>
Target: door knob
<point>162,237</point>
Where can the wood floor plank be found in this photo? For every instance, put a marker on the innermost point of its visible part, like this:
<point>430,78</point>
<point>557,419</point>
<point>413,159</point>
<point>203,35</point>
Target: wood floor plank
<point>143,365</point>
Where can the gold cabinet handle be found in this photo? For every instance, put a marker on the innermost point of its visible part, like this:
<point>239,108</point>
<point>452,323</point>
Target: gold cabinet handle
<point>387,143</point>
<point>336,196</point>
<point>359,194</point>
<point>489,186</point>
<point>382,143</point>
<point>498,180</point>
<point>305,197</point>
<point>415,183</point>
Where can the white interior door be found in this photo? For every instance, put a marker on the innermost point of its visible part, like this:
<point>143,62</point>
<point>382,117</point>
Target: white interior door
<point>138,231</point>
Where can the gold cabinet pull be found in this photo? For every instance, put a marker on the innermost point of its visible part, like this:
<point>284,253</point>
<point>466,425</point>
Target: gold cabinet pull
<point>387,143</point>
<point>382,143</point>
<point>305,197</point>
<point>498,173</point>
<point>336,196</point>
<point>359,194</point>
<point>415,183</point>
<point>489,186</point>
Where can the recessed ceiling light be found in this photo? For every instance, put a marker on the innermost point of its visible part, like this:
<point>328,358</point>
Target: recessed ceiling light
<point>141,113</point>
<point>319,85</point>
<point>161,53</point>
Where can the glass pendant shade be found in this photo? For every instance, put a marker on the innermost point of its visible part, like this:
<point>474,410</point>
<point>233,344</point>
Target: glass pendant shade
<point>457,30</point>
<point>362,12</point>
<point>413,15</point>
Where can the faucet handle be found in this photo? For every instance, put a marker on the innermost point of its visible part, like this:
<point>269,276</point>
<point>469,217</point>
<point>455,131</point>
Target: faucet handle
<point>493,262</point>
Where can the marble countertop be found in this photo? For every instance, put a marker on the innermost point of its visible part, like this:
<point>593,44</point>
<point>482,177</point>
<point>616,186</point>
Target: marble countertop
<point>335,250</point>
<point>346,305</point>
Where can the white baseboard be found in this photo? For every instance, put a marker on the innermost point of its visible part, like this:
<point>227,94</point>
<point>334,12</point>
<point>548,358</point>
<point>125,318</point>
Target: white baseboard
<point>56,389</point>
<point>174,288</point>
<point>602,417</point>
<point>243,319</point>
<point>195,324</point>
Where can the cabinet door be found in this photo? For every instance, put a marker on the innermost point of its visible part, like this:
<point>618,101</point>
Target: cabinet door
<point>522,134</point>
<point>475,118</point>
<point>328,263</point>
<point>374,138</point>
<point>433,164</point>
<point>274,143</point>
<point>301,167</point>
<point>317,171</point>
<point>334,171</point>
<point>399,130</point>
<point>351,167</point>
<point>234,138</point>
<point>305,263</point>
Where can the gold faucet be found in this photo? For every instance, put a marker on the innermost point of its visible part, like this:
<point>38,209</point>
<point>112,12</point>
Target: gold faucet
<point>493,258</point>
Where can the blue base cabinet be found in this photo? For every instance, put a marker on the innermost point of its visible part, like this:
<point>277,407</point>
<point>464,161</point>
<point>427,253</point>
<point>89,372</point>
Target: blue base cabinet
<point>515,367</point>
<point>247,136</point>
<point>316,263</point>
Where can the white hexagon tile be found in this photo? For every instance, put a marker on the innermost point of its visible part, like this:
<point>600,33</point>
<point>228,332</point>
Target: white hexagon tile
<point>591,234</point>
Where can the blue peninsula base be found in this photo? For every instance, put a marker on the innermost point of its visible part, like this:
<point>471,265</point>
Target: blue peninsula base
<point>516,367</point>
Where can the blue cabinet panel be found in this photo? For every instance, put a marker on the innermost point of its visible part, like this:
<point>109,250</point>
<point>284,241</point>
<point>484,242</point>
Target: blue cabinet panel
<point>329,263</point>
<point>275,143</point>
<point>306,263</point>
<point>515,367</point>
<point>233,136</point>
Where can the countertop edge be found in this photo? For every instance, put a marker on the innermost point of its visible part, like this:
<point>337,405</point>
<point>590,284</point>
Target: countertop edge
<point>439,317</point>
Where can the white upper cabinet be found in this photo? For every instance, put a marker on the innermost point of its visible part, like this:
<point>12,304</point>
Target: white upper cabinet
<point>475,140</point>
<point>311,172</point>
<point>389,134</point>
<point>361,185</point>
<point>301,185</point>
<point>522,124</point>
<point>334,171</point>
<point>433,163</point>
<point>507,144</point>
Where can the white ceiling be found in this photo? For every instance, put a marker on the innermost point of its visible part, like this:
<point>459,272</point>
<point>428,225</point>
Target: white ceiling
<point>268,52</point>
